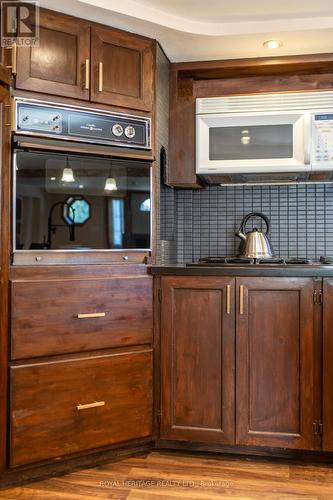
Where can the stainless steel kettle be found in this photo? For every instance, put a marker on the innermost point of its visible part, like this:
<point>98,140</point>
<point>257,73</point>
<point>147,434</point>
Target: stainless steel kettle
<point>255,244</point>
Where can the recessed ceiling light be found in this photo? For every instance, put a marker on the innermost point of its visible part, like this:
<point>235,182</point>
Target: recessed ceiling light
<point>272,44</point>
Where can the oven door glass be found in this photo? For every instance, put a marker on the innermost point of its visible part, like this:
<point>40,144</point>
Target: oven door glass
<point>80,202</point>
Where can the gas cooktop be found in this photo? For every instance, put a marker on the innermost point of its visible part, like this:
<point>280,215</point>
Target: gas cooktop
<point>274,261</point>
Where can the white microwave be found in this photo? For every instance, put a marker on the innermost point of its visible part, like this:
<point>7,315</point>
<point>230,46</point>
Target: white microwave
<point>263,134</point>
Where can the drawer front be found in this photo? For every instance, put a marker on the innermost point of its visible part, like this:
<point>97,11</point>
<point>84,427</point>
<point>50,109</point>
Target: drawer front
<point>64,407</point>
<point>57,317</point>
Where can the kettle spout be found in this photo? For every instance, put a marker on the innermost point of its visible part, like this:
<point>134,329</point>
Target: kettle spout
<point>241,235</point>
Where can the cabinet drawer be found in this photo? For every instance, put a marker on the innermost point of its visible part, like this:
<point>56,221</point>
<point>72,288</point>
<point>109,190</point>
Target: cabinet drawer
<point>55,317</point>
<point>50,413</point>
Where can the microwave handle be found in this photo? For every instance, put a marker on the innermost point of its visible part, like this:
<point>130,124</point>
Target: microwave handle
<point>307,138</point>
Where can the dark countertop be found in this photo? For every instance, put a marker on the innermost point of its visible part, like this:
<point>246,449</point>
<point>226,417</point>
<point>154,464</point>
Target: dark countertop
<point>269,270</point>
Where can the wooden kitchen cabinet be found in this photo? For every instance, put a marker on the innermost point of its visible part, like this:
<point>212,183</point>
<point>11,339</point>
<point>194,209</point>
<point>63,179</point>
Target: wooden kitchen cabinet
<point>263,349</point>
<point>121,69</point>
<point>58,65</point>
<point>198,354</point>
<point>61,407</point>
<point>89,62</point>
<point>328,365</point>
<point>77,315</point>
<point>275,362</point>
<point>5,70</point>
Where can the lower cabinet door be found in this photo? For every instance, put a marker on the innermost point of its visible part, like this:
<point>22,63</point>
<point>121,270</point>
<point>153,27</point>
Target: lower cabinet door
<point>197,359</point>
<point>275,362</point>
<point>63,407</point>
<point>328,365</point>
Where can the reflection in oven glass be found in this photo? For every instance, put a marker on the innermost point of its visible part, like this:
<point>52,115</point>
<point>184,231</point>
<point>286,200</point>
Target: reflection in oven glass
<point>81,202</point>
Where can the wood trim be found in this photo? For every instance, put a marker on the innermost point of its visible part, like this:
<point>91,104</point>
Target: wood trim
<point>90,458</point>
<point>33,273</point>
<point>157,356</point>
<point>300,64</point>
<point>181,171</point>
<point>299,456</point>
<point>4,263</point>
<point>263,83</point>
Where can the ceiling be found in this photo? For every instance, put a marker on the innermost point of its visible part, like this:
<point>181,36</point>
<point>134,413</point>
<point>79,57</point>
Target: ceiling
<point>190,30</point>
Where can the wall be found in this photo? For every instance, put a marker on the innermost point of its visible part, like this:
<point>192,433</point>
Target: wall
<point>200,223</point>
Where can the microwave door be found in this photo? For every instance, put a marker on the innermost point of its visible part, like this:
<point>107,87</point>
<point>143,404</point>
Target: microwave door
<point>252,144</point>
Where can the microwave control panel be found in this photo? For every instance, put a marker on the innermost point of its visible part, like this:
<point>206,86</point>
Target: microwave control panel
<point>84,125</point>
<point>322,140</point>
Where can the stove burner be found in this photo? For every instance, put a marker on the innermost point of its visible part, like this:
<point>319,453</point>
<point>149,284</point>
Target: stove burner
<point>213,260</point>
<point>272,260</point>
<point>298,260</point>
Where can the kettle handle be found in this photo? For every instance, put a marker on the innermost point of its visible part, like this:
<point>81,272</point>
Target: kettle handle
<point>256,214</point>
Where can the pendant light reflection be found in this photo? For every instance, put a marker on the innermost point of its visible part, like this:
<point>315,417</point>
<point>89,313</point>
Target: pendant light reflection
<point>110,183</point>
<point>67,173</point>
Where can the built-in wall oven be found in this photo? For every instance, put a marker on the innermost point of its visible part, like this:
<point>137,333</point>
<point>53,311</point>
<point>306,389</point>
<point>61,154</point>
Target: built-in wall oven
<point>82,185</point>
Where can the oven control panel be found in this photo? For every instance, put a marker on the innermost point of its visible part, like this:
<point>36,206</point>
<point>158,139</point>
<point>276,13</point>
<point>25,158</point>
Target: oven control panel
<point>84,125</point>
<point>322,140</point>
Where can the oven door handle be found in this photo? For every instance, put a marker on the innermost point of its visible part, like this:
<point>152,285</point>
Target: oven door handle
<point>80,148</point>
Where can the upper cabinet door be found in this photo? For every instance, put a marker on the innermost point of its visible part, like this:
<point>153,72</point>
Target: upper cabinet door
<point>197,359</point>
<point>60,65</point>
<point>122,69</point>
<point>275,362</point>
<point>5,72</point>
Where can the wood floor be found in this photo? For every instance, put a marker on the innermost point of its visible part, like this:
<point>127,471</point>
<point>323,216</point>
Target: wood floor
<point>171,476</point>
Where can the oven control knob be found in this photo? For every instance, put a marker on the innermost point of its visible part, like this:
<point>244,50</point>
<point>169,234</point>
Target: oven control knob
<point>117,130</point>
<point>56,118</point>
<point>26,118</point>
<point>130,132</point>
<point>56,127</point>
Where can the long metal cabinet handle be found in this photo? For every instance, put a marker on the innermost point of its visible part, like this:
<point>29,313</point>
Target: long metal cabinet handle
<point>100,77</point>
<point>228,299</point>
<point>91,315</point>
<point>13,66</point>
<point>96,404</point>
<point>241,299</point>
<point>87,74</point>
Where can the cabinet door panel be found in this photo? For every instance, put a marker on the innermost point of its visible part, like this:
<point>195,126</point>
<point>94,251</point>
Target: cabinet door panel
<point>122,69</point>
<point>5,71</point>
<point>46,321</point>
<point>328,365</point>
<point>197,359</point>
<point>52,405</point>
<point>57,66</point>
<point>275,362</point>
